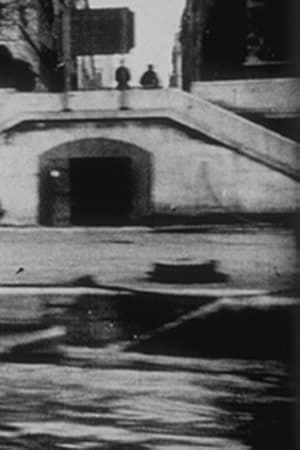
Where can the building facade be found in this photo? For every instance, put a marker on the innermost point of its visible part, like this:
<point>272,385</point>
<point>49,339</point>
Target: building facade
<point>235,39</point>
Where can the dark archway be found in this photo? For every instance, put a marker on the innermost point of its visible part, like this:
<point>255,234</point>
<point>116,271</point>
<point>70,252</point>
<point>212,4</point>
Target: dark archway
<point>95,182</point>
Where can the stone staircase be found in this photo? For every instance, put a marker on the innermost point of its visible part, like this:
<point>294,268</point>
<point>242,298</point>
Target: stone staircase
<point>192,112</point>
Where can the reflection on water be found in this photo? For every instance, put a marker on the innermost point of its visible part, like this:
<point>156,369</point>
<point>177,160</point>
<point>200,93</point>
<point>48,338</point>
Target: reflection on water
<point>100,397</point>
<point>96,322</point>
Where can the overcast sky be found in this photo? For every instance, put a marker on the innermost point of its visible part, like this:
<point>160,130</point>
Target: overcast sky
<point>156,24</point>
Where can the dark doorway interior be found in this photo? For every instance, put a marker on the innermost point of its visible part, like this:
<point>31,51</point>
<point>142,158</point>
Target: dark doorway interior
<point>101,190</point>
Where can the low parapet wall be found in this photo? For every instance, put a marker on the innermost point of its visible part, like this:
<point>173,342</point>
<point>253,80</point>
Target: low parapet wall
<point>280,96</point>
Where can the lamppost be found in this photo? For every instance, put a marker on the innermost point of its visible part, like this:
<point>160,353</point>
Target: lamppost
<point>66,50</point>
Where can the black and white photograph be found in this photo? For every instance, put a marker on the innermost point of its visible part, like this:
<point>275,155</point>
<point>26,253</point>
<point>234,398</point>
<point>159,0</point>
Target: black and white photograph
<point>149,225</point>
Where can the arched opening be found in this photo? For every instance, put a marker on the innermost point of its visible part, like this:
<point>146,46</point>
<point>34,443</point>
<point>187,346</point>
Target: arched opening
<point>95,182</point>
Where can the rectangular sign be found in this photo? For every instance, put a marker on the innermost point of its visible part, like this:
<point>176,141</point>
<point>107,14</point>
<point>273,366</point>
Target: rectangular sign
<point>102,31</point>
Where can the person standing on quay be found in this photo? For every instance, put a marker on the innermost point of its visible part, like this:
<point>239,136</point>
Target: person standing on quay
<point>122,76</point>
<point>149,79</point>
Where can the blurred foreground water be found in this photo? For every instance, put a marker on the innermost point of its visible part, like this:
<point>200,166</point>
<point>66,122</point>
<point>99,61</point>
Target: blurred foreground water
<point>98,396</point>
<point>172,404</point>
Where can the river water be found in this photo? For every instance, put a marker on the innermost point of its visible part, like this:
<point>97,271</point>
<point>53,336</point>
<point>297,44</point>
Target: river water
<point>171,404</point>
<point>162,403</point>
<point>99,396</point>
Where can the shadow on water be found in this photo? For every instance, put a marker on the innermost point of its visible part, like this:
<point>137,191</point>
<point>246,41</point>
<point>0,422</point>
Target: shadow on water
<point>231,329</point>
<point>272,425</point>
<point>95,321</point>
<point>260,418</point>
<point>251,328</point>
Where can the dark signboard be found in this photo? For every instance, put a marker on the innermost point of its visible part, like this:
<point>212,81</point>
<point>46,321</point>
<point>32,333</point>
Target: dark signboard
<point>102,31</point>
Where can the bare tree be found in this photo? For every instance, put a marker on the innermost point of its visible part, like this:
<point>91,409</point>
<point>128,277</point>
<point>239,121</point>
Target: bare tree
<point>35,24</point>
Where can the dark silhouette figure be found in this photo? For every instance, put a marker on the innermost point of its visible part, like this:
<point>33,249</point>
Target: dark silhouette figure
<point>122,76</point>
<point>149,79</point>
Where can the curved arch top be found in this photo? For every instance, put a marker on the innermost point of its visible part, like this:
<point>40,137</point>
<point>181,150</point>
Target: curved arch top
<point>93,147</point>
<point>94,181</point>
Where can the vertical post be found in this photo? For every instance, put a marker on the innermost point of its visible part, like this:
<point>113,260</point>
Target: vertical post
<point>66,48</point>
<point>124,44</point>
<point>91,57</point>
